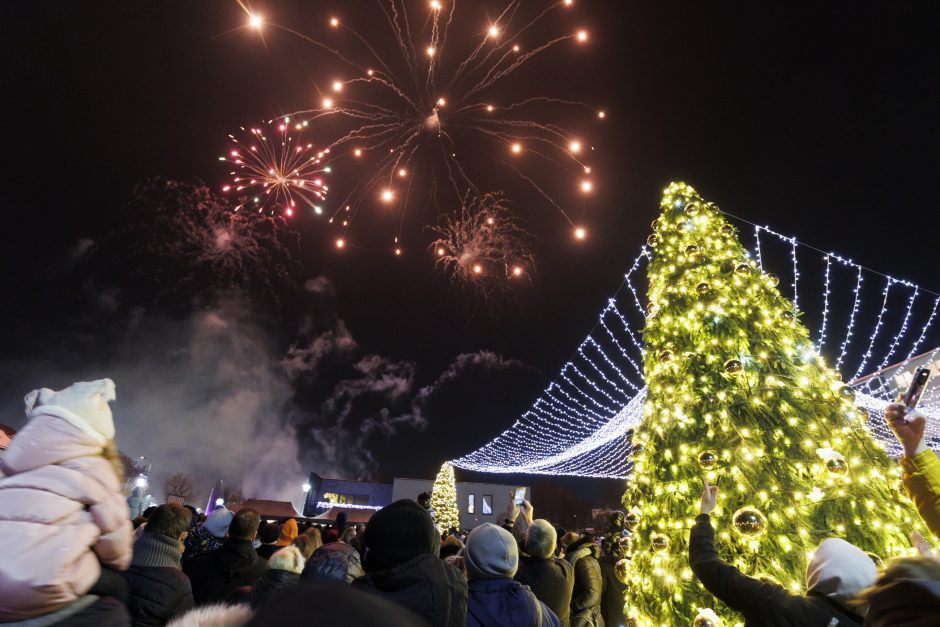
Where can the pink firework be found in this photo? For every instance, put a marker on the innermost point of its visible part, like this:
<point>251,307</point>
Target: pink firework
<point>275,171</point>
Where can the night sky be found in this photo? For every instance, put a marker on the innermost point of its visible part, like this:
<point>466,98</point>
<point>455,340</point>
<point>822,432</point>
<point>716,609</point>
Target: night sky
<point>819,119</point>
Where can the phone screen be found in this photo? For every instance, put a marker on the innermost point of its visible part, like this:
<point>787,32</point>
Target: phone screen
<point>918,385</point>
<point>520,496</point>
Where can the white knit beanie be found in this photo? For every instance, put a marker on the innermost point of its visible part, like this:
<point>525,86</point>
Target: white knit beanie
<point>83,404</point>
<point>839,570</point>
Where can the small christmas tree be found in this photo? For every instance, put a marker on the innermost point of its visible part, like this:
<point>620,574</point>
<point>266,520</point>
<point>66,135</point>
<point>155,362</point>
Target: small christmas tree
<point>444,500</point>
<point>738,395</point>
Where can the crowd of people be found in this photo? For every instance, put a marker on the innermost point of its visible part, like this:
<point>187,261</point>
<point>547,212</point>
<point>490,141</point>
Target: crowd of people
<point>70,555</point>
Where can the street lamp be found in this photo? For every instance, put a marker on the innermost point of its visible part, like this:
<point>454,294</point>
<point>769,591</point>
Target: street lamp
<point>305,487</point>
<point>219,502</point>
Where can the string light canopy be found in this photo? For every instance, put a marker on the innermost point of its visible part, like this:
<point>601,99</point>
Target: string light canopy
<point>871,327</point>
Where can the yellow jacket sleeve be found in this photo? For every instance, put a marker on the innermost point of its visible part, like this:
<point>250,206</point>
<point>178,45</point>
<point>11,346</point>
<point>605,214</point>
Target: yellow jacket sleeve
<point>922,481</point>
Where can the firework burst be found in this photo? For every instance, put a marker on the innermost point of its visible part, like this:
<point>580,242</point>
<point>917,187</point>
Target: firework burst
<point>482,245</point>
<point>428,97</point>
<point>275,171</point>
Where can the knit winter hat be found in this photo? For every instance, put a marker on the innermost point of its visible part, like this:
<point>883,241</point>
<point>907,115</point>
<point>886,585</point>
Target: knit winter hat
<point>218,521</point>
<point>288,532</point>
<point>269,533</point>
<point>398,533</point>
<point>83,404</point>
<point>491,553</point>
<point>839,570</point>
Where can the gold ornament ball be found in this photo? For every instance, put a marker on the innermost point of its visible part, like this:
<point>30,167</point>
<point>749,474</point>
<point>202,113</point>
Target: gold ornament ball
<point>659,542</point>
<point>749,522</point>
<point>727,230</point>
<point>863,414</point>
<point>620,570</point>
<point>742,269</point>
<point>655,224</point>
<point>652,240</point>
<point>704,620</point>
<point>734,367</point>
<point>691,250</point>
<point>693,208</point>
<point>631,519</point>
<point>632,622</point>
<point>837,466</point>
<point>703,288</point>
<point>787,316</point>
<point>651,309</point>
<point>665,356</point>
<point>772,280</point>
<point>847,393</point>
<point>707,459</point>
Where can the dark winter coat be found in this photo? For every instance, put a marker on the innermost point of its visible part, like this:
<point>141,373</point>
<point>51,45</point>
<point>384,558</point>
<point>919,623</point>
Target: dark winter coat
<point>588,584</point>
<point>336,560</point>
<point>158,590</point>
<point>426,585</point>
<point>552,581</point>
<point>273,583</point>
<point>905,603</point>
<point>265,551</point>
<point>761,603</point>
<point>217,574</point>
<point>613,597</point>
<point>506,603</point>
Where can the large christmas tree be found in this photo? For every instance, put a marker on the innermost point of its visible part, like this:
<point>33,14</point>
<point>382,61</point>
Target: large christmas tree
<point>738,395</point>
<point>444,500</point>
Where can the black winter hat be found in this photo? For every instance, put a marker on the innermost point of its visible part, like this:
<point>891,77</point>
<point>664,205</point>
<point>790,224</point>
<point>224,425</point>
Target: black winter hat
<point>397,533</point>
<point>269,533</point>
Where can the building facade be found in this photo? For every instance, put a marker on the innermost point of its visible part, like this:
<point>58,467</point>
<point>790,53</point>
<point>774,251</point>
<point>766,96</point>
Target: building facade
<point>477,502</point>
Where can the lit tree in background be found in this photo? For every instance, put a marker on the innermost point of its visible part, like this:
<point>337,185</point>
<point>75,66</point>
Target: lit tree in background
<point>737,394</point>
<point>444,499</point>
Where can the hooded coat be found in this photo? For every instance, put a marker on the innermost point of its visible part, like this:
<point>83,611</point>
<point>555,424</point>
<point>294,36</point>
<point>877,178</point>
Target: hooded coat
<point>336,560</point>
<point>552,581</point>
<point>905,603</point>
<point>836,573</point>
<point>426,585</point>
<point>506,603</point>
<point>216,575</point>
<point>62,515</point>
<point>588,583</point>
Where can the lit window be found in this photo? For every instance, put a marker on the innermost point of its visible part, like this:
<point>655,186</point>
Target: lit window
<point>487,504</point>
<point>470,504</point>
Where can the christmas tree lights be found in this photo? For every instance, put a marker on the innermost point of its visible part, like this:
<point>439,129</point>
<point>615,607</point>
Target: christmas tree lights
<point>444,500</point>
<point>738,394</point>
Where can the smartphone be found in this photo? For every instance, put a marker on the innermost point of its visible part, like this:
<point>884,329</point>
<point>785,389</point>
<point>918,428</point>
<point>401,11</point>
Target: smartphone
<point>918,385</point>
<point>520,496</point>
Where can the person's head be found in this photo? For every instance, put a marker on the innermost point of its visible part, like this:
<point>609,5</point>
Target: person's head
<point>330,535</point>
<point>540,539</point>
<point>568,539</point>
<point>348,535</point>
<point>305,544</point>
<point>269,532</point>
<point>289,558</point>
<point>314,537</point>
<point>244,525</point>
<point>397,533</point>
<point>288,532</point>
<point>616,520</point>
<point>360,528</point>
<point>839,570</point>
<point>86,404</point>
<point>194,518</point>
<point>149,512</point>
<point>171,521</point>
<point>217,523</point>
<point>424,500</point>
<point>342,521</point>
<point>907,592</point>
<point>491,553</point>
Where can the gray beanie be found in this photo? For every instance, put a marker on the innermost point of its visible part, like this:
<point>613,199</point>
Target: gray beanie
<point>491,553</point>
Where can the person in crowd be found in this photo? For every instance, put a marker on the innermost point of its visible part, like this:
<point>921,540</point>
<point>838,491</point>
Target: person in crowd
<point>332,603</point>
<point>337,561</point>
<point>356,542</point>
<point>907,594</point>
<point>305,545</point>
<point>450,546</point>
<point>401,563</point>
<point>495,599</point>
<point>348,536</point>
<point>288,533</point>
<point>330,535</point>
<point>342,522</point>
<point>314,536</point>
<point>551,579</point>
<point>283,574</point>
<point>268,534</point>
<point>158,590</point>
<point>210,535</point>
<point>613,549</point>
<point>836,574</point>
<point>582,554</point>
<point>215,575</point>
<point>920,466</point>
<point>65,534</point>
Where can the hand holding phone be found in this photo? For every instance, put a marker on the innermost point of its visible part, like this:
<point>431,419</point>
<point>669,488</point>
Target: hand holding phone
<point>519,497</point>
<point>918,385</point>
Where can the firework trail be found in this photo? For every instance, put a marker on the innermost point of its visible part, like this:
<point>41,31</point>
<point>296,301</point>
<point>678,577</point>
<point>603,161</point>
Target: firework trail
<point>276,171</point>
<point>482,246</point>
<point>439,106</point>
